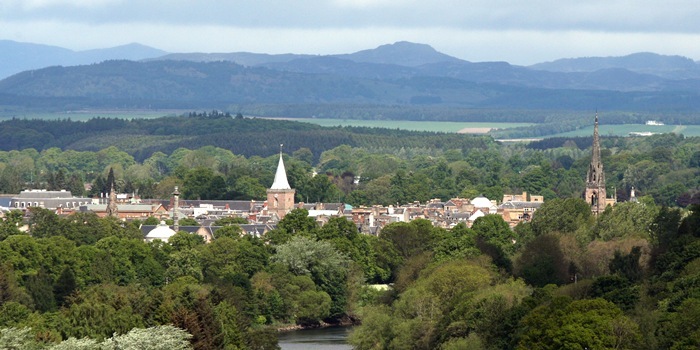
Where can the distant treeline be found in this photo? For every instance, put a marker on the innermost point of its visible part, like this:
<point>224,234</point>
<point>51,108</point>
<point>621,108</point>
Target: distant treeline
<point>246,136</point>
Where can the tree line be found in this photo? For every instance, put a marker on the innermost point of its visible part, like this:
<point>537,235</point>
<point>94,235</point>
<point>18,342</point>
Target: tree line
<point>625,279</point>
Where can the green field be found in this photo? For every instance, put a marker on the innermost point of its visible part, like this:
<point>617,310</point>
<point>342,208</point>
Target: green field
<point>626,129</point>
<point>416,125</point>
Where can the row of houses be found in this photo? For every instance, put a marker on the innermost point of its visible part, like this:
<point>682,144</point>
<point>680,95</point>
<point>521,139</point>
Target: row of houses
<point>369,220</point>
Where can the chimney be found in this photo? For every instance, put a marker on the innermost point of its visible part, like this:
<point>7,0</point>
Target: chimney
<point>176,196</point>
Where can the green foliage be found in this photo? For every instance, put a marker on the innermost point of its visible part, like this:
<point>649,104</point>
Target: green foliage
<point>562,215</point>
<point>17,339</point>
<point>187,222</point>
<point>298,222</point>
<point>230,220</point>
<point>375,332</point>
<point>409,238</point>
<point>542,262</point>
<point>493,229</point>
<point>625,220</point>
<point>183,240</point>
<point>592,324</point>
<point>154,338</point>
<point>318,259</point>
<point>458,243</point>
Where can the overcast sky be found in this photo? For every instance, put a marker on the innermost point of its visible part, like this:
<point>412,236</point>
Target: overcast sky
<point>517,31</point>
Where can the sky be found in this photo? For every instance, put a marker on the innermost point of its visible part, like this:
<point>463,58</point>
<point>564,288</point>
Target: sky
<point>519,32</point>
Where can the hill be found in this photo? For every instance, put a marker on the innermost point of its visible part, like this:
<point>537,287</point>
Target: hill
<point>672,67</point>
<point>17,57</point>
<point>400,74</point>
<point>221,85</point>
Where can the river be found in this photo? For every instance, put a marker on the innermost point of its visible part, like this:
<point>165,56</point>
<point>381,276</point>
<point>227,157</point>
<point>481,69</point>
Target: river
<point>331,338</point>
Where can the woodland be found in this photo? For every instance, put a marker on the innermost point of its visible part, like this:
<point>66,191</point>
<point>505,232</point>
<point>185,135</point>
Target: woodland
<point>626,279</point>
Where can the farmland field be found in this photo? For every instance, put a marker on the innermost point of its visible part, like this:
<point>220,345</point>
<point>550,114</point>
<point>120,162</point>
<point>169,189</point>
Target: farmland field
<point>465,127</point>
<point>625,129</point>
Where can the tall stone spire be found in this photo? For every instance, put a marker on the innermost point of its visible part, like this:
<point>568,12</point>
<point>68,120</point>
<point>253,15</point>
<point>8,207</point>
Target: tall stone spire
<point>112,202</point>
<point>595,178</point>
<point>112,197</point>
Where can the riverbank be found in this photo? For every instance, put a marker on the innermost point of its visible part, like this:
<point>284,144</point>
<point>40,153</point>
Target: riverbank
<point>344,321</point>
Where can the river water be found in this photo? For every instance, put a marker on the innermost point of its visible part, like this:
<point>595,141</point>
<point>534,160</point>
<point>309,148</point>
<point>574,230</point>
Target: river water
<point>331,338</point>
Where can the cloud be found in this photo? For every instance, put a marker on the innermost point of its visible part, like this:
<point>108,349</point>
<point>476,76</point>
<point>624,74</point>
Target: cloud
<point>593,15</point>
<point>520,32</point>
<point>33,5</point>
<point>521,47</point>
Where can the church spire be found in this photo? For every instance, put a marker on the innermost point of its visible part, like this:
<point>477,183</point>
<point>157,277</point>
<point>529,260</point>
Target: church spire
<point>112,201</point>
<point>595,178</point>
<point>280,182</point>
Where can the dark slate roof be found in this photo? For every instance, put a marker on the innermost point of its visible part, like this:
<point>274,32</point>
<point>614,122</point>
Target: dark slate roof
<point>461,215</point>
<point>333,206</point>
<point>520,205</point>
<point>238,205</point>
<point>251,229</point>
<point>145,229</point>
<point>257,230</point>
<point>32,194</point>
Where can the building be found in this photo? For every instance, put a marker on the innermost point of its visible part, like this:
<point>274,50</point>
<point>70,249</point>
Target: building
<point>280,196</point>
<point>47,199</point>
<point>126,211</point>
<point>595,193</point>
<point>516,208</point>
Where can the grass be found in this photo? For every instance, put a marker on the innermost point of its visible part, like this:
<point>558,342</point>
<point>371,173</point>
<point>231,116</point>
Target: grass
<point>432,126</point>
<point>625,129</point>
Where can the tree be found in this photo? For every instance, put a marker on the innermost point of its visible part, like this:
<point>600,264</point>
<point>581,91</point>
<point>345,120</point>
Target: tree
<point>561,215</point>
<point>185,241</point>
<point>18,339</point>
<point>230,220</point>
<point>298,222</point>
<point>198,184</point>
<point>154,338</point>
<point>542,262</point>
<point>456,244</point>
<point>492,228</point>
<point>375,332</point>
<point>10,224</point>
<point>229,318</point>
<point>318,259</point>
<point>187,222</point>
<point>581,324</point>
<point>40,287</point>
<point>409,238</point>
<point>64,286</point>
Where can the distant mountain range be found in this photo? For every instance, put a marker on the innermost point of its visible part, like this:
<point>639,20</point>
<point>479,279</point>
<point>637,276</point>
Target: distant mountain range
<point>16,57</point>
<point>403,73</point>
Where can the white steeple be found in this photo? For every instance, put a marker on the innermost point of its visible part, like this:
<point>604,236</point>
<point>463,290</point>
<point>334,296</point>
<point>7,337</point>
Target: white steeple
<point>280,182</point>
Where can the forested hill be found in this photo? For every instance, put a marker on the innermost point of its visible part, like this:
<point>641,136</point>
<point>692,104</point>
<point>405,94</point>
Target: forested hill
<point>329,81</point>
<point>245,136</point>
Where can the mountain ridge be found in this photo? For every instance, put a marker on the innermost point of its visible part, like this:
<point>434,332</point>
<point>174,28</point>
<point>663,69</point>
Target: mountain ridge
<point>402,73</point>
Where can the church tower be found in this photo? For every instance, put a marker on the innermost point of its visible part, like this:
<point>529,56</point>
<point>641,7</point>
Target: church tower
<point>595,179</point>
<point>280,197</point>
